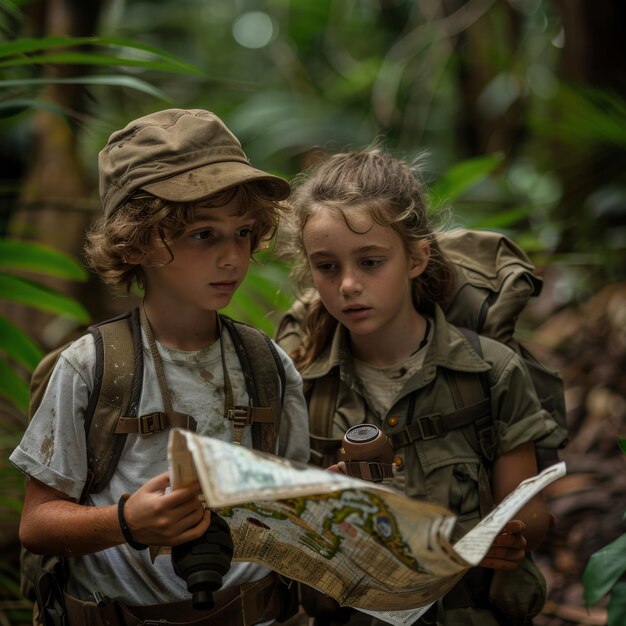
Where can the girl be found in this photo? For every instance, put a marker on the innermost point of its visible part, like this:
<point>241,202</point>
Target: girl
<point>374,326</point>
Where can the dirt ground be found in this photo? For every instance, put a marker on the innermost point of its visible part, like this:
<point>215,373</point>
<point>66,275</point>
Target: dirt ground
<point>589,344</point>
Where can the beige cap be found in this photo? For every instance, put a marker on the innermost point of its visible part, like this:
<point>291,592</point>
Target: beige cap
<point>179,155</point>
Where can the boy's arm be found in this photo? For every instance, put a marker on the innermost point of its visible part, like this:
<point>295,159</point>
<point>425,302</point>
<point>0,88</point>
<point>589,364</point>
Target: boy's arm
<point>531,523</point>
<point>53,523</point>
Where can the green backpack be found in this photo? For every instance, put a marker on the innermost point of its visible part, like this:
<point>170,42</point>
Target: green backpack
<point>112,413</point>
<point>494,281</point>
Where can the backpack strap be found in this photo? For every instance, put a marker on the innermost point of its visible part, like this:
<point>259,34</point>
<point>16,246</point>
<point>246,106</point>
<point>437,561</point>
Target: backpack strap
<point>474,392</point>
<point>112,411</point>
<point>265,385</point>
<point>471,395</point>
<point>436,425</point>
<point>113,394</point>
<point>322,399</point>
<point>157,421</point>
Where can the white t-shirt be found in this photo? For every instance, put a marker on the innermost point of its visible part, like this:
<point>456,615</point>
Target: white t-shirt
<point>53,450</point>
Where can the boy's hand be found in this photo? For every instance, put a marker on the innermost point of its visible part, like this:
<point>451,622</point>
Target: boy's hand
<point>508,549</point>
<point>157,517</point>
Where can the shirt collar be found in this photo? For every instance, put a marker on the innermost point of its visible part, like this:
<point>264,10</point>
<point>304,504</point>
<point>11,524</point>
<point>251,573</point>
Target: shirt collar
<point>448,348</point>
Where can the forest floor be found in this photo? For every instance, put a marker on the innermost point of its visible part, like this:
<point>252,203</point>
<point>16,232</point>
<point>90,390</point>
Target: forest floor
<point>587,345</point>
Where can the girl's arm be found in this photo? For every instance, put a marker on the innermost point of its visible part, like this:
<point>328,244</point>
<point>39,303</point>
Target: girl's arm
<point>509,470</point>
<point>53,523</point>
<point>531,524</point>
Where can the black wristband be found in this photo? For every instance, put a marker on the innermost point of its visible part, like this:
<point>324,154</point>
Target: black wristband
<point>124,526</point>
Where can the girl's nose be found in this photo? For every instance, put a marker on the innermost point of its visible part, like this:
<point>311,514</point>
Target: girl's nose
<point>350,284</point>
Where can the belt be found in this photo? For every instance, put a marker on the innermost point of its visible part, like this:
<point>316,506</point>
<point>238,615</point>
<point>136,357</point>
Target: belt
<point>243,605</point>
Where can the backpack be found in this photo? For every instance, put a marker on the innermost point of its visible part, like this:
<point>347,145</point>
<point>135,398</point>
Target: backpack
<point>494,280</point>
<point>114,403</point>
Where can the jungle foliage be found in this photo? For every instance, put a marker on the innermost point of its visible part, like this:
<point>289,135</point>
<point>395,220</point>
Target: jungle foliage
<point>513,133</point>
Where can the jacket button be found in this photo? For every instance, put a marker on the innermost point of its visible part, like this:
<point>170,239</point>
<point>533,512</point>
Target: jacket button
<point>399,463</point>
<point>392,420</point>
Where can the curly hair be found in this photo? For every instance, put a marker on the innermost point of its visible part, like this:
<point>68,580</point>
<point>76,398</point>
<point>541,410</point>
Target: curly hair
<point>391,191</point>
<point>115,246</point>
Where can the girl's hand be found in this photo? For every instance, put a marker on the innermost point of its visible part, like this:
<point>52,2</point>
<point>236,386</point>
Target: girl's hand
<point>157,517</point>
<point>335,468</point>
<point>508,549</point>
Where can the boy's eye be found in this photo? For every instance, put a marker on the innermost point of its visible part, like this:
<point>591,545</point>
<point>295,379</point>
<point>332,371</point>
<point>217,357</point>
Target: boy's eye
<point>203,234</point>
<point>325,267</point>
<point>245,232</point>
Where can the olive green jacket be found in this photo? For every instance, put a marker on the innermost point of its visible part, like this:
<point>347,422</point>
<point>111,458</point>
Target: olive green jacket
<point>449,470</point>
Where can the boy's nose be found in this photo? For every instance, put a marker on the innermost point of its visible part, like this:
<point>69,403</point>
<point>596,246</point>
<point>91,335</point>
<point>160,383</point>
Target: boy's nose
<point>229,254</point>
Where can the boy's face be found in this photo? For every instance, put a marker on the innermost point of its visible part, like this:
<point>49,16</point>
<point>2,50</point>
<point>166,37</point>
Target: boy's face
<point>210,261</point>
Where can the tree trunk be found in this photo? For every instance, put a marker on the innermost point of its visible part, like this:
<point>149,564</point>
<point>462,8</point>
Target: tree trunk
<point>57,200</point>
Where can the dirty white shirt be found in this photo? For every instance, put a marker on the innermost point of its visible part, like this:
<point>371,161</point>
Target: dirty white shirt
<point>53,450</point>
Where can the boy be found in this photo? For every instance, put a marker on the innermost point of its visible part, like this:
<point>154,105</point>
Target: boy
<point>183,212</point>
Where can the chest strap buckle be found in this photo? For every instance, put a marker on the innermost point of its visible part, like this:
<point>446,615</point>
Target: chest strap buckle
<point>429,427</point>
<point>240,415</point>
<point>151,423</point>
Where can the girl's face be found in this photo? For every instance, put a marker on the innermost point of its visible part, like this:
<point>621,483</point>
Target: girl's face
<point>362,271</point>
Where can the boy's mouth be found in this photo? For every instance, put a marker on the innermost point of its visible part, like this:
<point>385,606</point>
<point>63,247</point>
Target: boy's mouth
<point>225,286</point>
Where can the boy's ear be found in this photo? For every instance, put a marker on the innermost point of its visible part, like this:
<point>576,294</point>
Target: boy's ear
<point>420,256</point>
<point>134,258</point>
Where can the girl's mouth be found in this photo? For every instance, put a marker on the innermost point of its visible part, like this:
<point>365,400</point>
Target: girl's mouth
<point>356,312</point>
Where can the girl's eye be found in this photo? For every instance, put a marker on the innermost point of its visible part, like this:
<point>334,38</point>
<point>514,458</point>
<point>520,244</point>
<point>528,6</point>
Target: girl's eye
<point>369,263</point>
<point>325,267</point>
<point>245,232</point>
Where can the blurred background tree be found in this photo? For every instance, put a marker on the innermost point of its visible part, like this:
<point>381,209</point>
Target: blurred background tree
<point>518,105</point>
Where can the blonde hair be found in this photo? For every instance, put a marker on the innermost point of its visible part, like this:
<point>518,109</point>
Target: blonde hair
<point>115,246</point>
<point>392,193</point>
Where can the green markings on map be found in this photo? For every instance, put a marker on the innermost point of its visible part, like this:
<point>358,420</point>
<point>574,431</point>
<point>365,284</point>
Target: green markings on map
<point>263,510</point>
<point>353,513</point>
<point>329,520</point>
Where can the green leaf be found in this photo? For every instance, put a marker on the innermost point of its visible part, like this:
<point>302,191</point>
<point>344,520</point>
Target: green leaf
<point>604,569</point>
<point>16,106</point>
<point>12,387</point>
<point>9,7</point>
<point>502,218</point>
<point>29,45</point>
<point>617,605</point>
<point>622,444</point>
<point>27,292</point>
<point>113,81</point>
<point>18,345</point>
<point>587,116</point>
<point>89,58</point>
<point>246,308</point>
<point>460,178</point>
<point>35,257</point>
